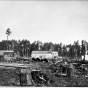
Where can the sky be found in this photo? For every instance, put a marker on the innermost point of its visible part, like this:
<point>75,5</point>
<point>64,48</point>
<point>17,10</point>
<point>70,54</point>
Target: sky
<point>47,21</point>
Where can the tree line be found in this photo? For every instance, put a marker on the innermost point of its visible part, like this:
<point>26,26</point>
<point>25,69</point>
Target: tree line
<point>24,47</point>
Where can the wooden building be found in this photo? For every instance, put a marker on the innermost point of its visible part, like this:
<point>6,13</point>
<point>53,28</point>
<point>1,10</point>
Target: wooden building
<point>44,54</point>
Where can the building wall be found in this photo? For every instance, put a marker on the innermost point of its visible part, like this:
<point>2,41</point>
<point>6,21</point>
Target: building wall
<point>8,53</point>
<point>86,57</point>
<point>42,55</point>
<point>55,54</point>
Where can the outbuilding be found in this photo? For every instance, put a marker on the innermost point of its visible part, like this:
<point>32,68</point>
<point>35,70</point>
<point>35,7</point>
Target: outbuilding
<point>7,54</point>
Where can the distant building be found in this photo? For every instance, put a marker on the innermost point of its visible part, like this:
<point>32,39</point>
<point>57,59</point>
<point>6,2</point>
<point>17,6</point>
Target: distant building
<point>84,58</point>
<point>7,54</point>
<point>44,54</point>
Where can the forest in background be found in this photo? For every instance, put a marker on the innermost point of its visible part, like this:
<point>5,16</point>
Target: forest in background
<point>24,47</point>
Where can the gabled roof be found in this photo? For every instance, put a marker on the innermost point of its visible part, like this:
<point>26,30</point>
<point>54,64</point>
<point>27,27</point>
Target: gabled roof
<point>41,52</point>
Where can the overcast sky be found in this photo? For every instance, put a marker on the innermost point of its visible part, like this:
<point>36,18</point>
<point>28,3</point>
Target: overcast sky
<point>47,21</point>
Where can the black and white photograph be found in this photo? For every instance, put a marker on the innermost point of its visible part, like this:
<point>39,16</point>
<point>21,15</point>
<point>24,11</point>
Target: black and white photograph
<point>43,43</point>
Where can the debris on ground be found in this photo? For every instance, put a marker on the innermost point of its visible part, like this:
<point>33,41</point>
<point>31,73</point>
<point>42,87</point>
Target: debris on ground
<point>50,74</point>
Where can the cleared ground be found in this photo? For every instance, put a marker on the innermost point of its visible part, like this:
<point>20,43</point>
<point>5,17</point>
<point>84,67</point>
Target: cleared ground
<point>10,77</point>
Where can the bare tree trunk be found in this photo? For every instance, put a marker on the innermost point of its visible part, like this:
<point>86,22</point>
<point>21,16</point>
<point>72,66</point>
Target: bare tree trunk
<point>7,42</point>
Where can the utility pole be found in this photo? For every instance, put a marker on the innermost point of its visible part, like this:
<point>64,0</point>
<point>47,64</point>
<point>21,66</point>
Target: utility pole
<point>27,52</point>
<point>27,49</point>
<point>76,53</point>
<point>23,50</point>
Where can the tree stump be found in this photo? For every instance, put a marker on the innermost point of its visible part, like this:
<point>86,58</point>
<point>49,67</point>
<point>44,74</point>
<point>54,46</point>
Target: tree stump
<point>29,78</point>
<point>70,71</point>
<point>25,77</point>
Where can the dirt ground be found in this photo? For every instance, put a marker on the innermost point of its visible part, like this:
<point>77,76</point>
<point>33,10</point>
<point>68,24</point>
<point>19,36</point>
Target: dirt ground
<point>10,77</point>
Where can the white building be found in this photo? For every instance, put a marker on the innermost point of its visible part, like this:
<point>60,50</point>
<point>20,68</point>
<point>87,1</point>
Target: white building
<point>86,57</point>
<point>44,54</point>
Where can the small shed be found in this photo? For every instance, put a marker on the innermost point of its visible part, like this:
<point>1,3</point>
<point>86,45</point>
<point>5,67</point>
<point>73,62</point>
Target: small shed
<point>9,53</point>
